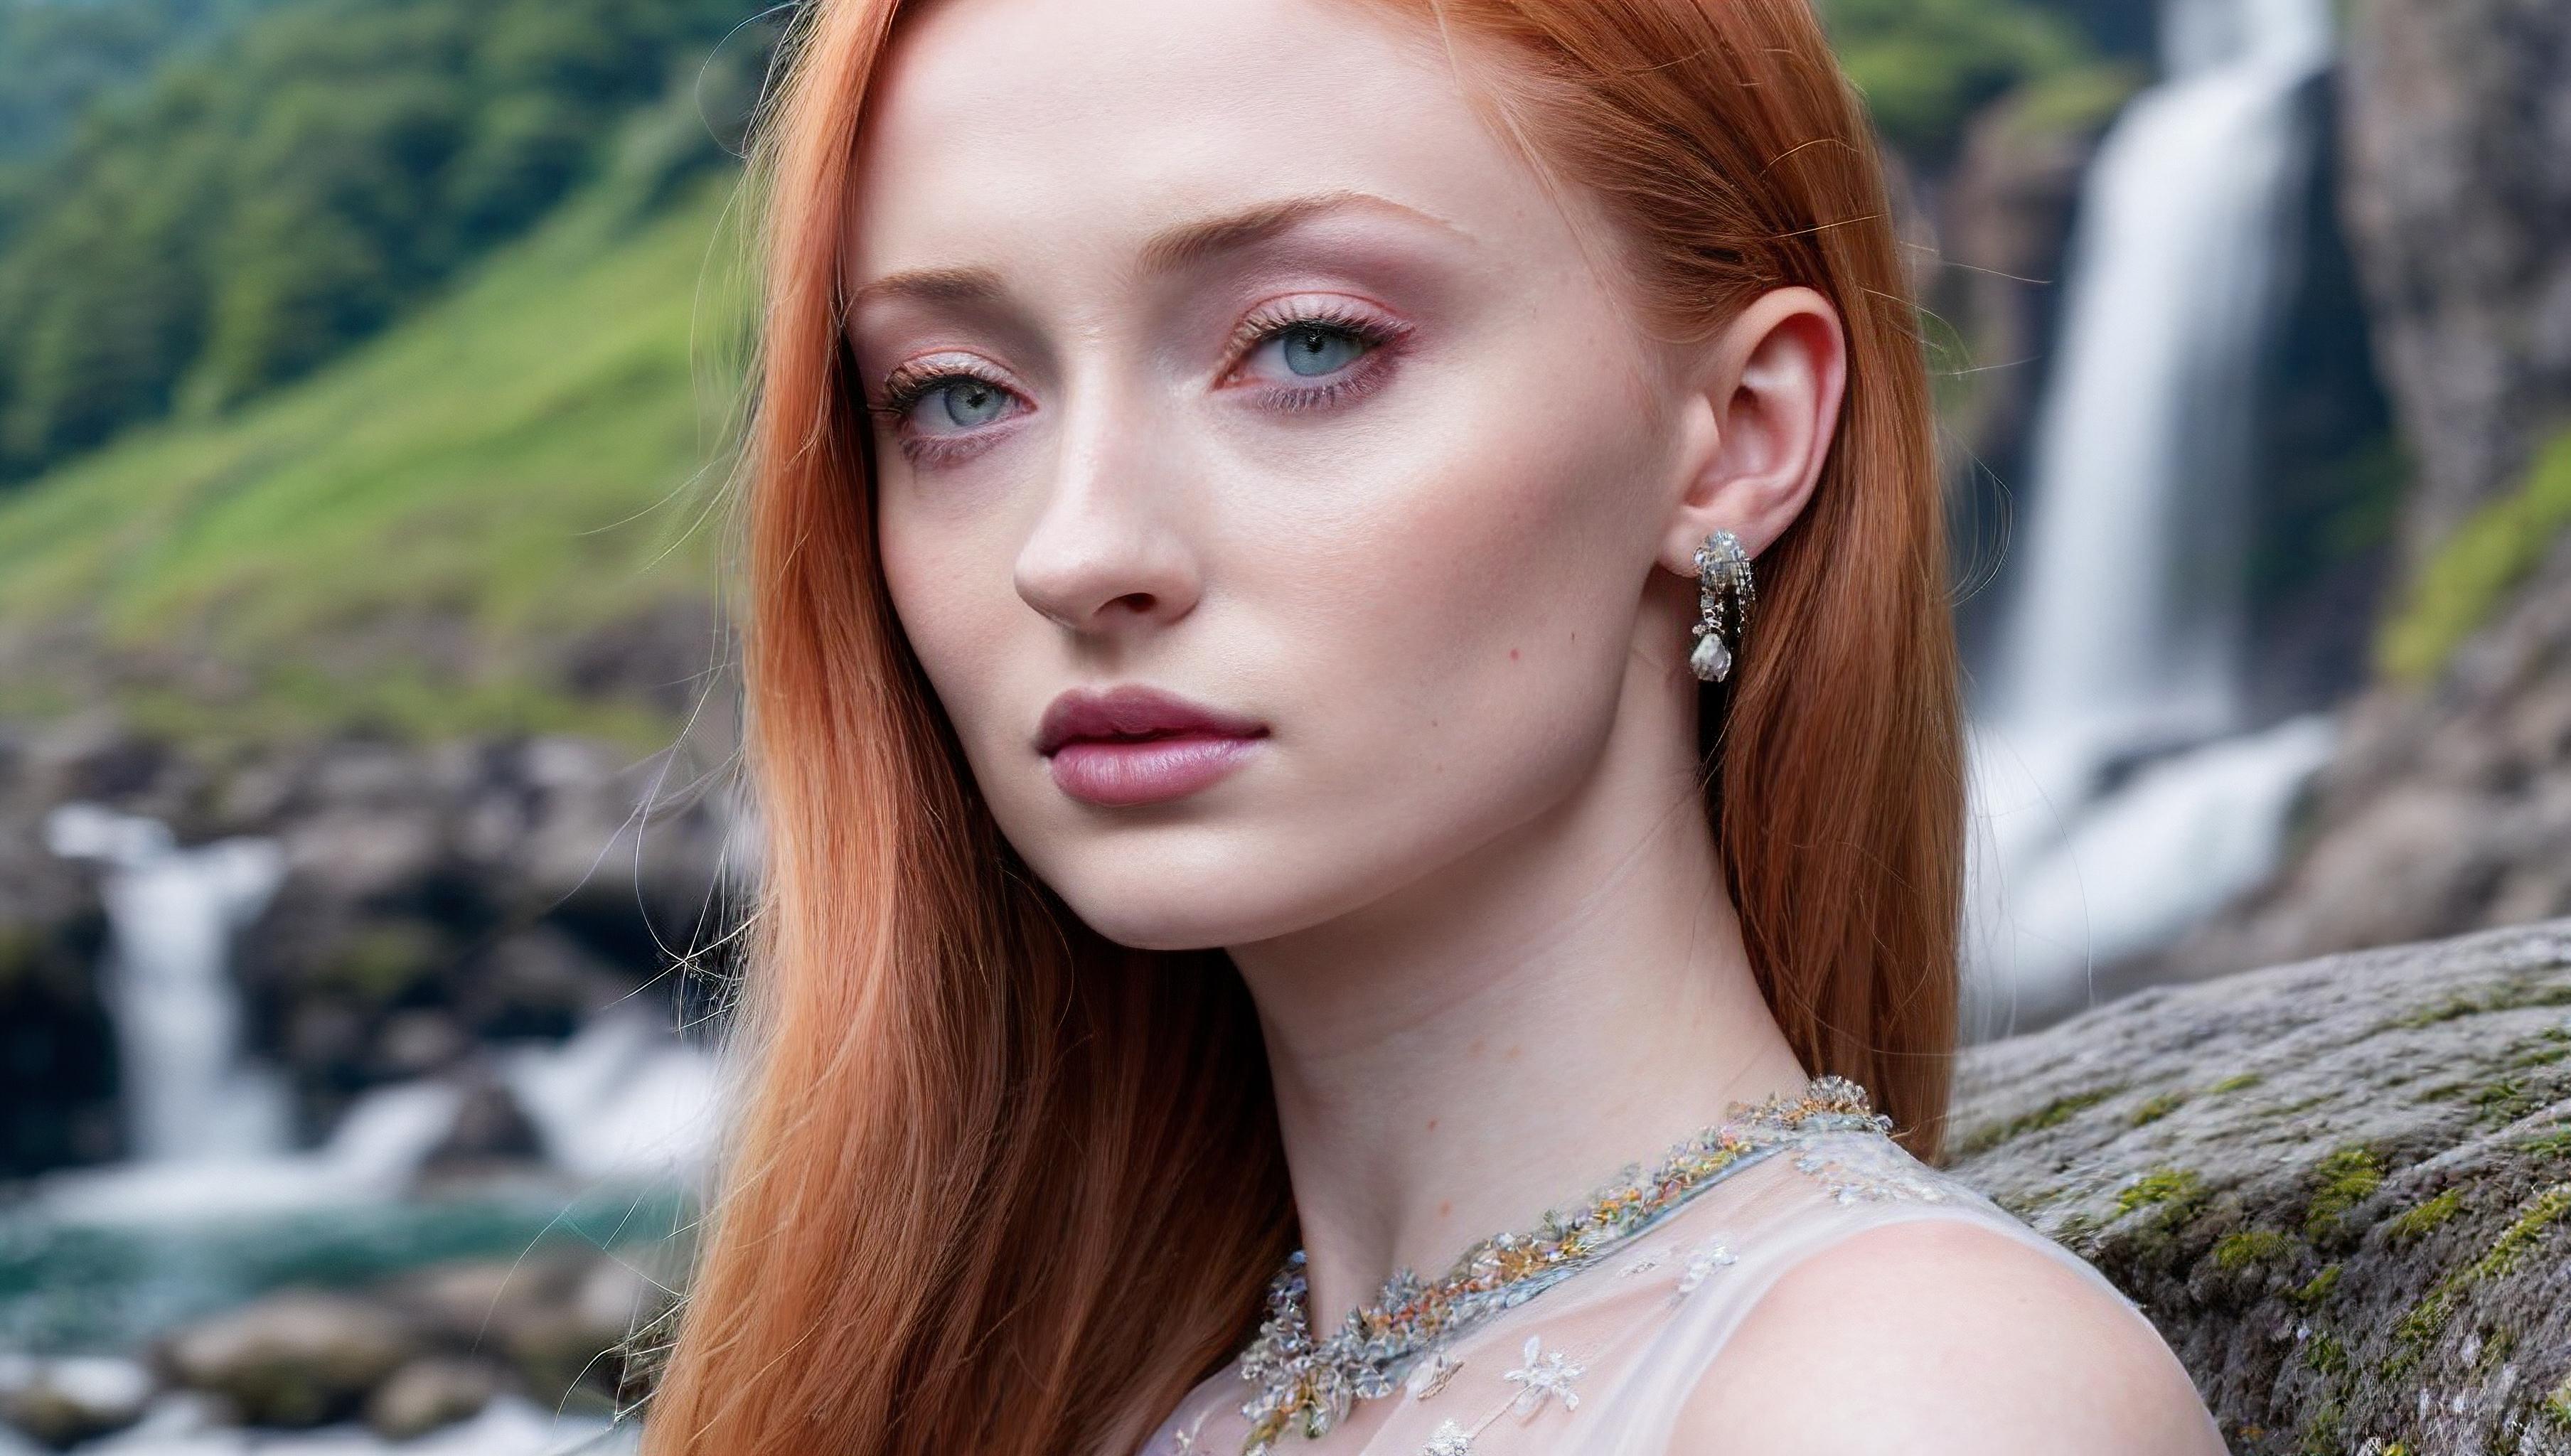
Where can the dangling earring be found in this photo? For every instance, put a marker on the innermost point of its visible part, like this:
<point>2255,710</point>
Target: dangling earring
<point>1721,573</point>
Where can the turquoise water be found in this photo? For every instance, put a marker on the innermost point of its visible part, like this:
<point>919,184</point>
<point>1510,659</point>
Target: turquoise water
<point>72,1289</point>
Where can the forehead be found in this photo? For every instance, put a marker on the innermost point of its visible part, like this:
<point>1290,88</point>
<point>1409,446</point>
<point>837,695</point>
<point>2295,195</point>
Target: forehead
<point>1069,130</point>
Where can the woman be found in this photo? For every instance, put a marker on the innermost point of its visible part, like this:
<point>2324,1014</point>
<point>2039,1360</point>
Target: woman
<point>1251,504</point>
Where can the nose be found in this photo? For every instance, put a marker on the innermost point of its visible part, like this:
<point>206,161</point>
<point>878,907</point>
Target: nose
<point>1109,553</point>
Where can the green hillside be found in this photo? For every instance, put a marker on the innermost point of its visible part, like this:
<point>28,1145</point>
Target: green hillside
<point>411,537</point>
<point>254,203</point>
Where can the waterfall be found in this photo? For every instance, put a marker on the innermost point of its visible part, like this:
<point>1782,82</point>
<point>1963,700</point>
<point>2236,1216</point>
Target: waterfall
<point>189,1092</point>
<point>206,1125</point>
<point>2109,811</point>
<point>623,1100</point>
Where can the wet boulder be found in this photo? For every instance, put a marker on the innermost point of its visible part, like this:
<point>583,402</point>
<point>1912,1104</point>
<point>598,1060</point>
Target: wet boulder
<point>2341,1188</point>
<point>64,1401</point>
<point>293,1358</point>
<point>430,1394</point>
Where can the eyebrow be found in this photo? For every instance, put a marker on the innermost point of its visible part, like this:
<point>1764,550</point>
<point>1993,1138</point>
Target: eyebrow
<point>1190,243</point>
<point>1185,246</point>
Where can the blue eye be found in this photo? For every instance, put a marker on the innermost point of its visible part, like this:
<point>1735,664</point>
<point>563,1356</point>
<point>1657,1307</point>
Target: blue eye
<point>968,401</point>
<point>1324,347</point>
<point>1315,349</point>
<point>951,403</point>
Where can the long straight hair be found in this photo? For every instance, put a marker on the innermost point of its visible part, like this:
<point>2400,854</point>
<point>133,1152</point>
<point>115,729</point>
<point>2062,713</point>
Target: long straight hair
<point>997,1184</point>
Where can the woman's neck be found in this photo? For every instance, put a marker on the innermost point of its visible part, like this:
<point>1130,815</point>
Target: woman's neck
<point>1494,1041</point>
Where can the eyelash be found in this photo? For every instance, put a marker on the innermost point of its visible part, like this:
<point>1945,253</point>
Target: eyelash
<point>905,388</point>
<point>1363,373</point>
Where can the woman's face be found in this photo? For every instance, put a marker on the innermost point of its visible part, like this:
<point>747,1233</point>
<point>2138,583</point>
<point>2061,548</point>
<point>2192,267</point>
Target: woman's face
<point>1215,348</point>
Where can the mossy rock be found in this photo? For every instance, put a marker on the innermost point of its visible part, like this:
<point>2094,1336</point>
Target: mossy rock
<point>2341,1188</point>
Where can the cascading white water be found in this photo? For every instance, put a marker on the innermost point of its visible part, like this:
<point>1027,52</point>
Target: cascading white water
<point>2124,638</point>
<point>2128,626</point>
<point>189,1093</point>
<point>621,1100</point>
<point>207,1124</point>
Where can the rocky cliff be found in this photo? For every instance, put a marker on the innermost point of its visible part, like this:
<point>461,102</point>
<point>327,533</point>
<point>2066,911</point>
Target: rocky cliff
<point>2445,807</point>
<point>2457,193</point>
<point>2448,803</point>
<point>2340,1188</point>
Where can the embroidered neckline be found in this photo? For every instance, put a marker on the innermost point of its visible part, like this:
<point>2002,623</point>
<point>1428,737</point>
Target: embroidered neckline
<point>1310,1384</point>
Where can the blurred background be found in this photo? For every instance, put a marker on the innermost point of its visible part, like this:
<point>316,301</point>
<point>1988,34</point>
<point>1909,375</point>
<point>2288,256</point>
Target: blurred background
<point>369,370</point>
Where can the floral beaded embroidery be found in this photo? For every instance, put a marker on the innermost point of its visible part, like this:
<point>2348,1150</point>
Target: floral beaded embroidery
<point>1449,1439</point>
<point>1430,1375</point>
<point>1873,1170</point>
<point>1542,1374</point>
<point>1702,1262</point>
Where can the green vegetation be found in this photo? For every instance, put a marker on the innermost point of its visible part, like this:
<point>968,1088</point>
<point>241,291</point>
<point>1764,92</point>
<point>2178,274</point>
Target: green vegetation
<point>2428,1319</point>
<point>2238,1081</point>
<point>2176,1189</point>
<point>258,203</point>
<point>513,465</point>
<point>381,961</point>
<point>2156,1107</point>
<point>2450,1009</point>
<point>2471,574</point>
<point>2557,1407</point>
<point>2320,1429</point>
<point>2076,99</point>
<point>54,57</point>
<point>2347,1177</point>
<point>2511,997</point>
<point>2427,1216</point>
<point>2250,1247</point>
<point>1925,66</point>
<point>2498,1343</point>
<point>2318,1288</point>
<point>2052,1114</point>
<point>2511,1097</point>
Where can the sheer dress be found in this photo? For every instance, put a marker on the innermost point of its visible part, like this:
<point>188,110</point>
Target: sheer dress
<point>1599,1362</point>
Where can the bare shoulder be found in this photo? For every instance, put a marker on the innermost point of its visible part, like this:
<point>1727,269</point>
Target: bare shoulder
<point>1939,1336</point>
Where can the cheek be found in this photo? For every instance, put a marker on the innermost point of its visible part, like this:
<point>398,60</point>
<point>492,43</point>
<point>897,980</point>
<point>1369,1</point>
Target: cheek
<point>956,607</point>
<point>1473,628</point>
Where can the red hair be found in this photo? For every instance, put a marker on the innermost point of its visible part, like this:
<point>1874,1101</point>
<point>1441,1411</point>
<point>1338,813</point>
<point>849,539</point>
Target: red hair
<point>998,1185</point>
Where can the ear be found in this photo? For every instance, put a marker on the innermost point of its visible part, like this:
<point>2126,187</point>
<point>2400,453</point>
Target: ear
<point>1761,409</point>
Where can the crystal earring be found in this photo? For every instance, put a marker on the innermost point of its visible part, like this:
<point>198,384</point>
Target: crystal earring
<point>1722,590</point>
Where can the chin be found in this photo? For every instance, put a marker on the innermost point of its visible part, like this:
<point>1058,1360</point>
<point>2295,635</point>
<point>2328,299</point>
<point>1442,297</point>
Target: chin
<point>1192,901</point>
<point>1150,911</point>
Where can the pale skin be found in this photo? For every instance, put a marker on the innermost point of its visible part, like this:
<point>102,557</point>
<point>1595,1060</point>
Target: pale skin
<point>1444,552</point>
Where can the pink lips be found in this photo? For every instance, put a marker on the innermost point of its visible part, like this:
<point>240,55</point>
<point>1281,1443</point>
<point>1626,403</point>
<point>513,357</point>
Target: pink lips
<point>1138,746</point>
